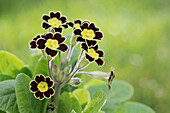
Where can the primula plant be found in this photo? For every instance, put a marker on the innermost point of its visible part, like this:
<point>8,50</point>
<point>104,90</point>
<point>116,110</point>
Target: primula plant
<point>56,80</point>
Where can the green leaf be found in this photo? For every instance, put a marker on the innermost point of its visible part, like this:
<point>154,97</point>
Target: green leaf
<point>2,111</point>
<point>83,96</point>
<point>121,91</point>
<point>27,71</point>
<point>68,102</point>
<point>10,64</point>
<point>33,62</point>
<point>41,68</point>
<point>5,77</point>
<point>134,107</point>
<point>8,100</point>
<point>27,103</point>
<point>95,104</point>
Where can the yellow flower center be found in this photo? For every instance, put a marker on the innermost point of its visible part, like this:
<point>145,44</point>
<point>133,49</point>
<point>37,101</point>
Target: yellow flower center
<point>54,22</point>
<point>88,34</point>
<point>52,44</point>
<point>77,26</point>
<point>91,52</point>
<point>42,86</point>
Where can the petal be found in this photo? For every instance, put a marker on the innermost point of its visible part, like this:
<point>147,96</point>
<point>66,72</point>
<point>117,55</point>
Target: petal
<point>59,38</point>
<point>80,39</point>
<point>92,26</point>
<point>33,44</point>
<point>45,25</point>
<point>77,32</point>
<point>50,52</point>
<point>63,19</point>
<point>85,25</point>
<point>41,43</point>
<point>89,58</point>
<point>100,52</point>
<point>39,78</point>
<point>77,21</point>
<point>49,82</point>
<point>98,36</point>
<point>57,14</point>
<point>37,37</point>
<point>100,62</point>
<point>39,95</point>
<point>33,85</point>
<point>45,17</point>
<point>70,24</point>
<point>47,36</point>
<point>65,26</point>
<point>48,93</point>
<point>58,30</point>
<point>91,42</point>
<point>95,47</point>
<point>63,47</point>
<point>84,46</point>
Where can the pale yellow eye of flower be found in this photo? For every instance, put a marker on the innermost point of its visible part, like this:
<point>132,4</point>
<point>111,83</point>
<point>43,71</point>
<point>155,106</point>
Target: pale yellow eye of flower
<point>52,44</point>
<point>77,26</point>
<point>88,34</point>
<point>42,86</point>
<point>54,22</point>
<point>93,54</point>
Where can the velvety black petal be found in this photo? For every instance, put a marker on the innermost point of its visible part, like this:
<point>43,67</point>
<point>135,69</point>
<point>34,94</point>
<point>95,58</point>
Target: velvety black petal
<point>33,85</point>
<point>45,17</point>
<point>63,47</point>
<point>49,92</point>
<point>95,47</point>
<point>70,24</point>
<point>111,77</point>
<point>77,22</point>
<point>59,38</point>
<point>89,58</point>
<point>100,62</point>
<point>41,43</point>
<point>57,15</point>
<point>58,30</point>
<point>92,26</point>
<point>33,44</point>
<point>98,35</point>
<point>63,19</point>
<point>80,39</point>
<point>77,32</point>
<point>49,82</point>
<point>100,53</point>
<point>84,46</point>
<point>37,37</point>
<point>39,78</point>
<point>84,26</point>
<point>47,36</point>
<point>50,52</point>
<point>39,95</point>
<point>65,26</point>
<point>45,25</point>
<point>91,42</point>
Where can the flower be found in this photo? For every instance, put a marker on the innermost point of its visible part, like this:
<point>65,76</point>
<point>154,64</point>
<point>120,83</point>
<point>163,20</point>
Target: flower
<point>42,87</point>
<point>55,20</point>
<point>89,33</point>
<point>93,54</point>
<point>76,24</point>
<point>50,42</point>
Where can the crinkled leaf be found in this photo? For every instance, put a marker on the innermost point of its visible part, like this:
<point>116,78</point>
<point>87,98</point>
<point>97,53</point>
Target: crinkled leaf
<point>8,100</point>
<point>5,77</point>
<point>96,103</point>
<point>27,103</point>
<point>68,102</point>
<point>83,96</point>
<point>134,107</point>
<point>10,64</point>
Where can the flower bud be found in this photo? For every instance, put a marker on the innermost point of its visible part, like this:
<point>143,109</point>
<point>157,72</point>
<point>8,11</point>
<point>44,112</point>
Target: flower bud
<point>63,57</point>
<point>83,63</point>
<point>75,81</point>
<point>67,69</point>
<point>55,70</point>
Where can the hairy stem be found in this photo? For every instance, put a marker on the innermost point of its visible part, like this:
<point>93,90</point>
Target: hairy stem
<point>57,96</point>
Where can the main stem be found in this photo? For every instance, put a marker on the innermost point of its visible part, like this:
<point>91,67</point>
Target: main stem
<point>57,96</point>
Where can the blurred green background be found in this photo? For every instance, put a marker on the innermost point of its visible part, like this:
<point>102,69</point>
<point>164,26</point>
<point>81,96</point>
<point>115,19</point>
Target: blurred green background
<point>136,38</point>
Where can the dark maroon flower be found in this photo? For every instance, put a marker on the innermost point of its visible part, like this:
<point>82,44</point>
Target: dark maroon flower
<point>93,54</point>
<point>41,86</point>
<point>33,42</point>
<point>50,43</point>
<point>76,24</point>
<point>89,33</point>
<point>55,20</point>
